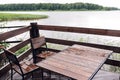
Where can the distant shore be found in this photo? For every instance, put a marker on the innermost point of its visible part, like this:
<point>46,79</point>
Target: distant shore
<point>78,6</point>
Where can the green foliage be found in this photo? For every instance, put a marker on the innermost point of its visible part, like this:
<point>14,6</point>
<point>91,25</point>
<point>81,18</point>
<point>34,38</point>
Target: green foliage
<point>10,16</point>
<point>5,45</point>
<point>53,6</point>
<point>22,50</point>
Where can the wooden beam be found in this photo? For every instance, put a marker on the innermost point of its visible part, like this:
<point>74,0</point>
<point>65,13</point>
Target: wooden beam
<point>17,47</point>
<point>25,54</point>
<point>94,31</point>
<point>13,33</point>
<point>10,42</point>
<point>12,27</point>
<point>66,42</point>
<point>113,62</point>
<point>22,44</point>
<point>49,49</point>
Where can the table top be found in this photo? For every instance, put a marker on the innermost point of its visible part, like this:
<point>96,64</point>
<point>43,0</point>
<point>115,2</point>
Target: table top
<point>78,62</point>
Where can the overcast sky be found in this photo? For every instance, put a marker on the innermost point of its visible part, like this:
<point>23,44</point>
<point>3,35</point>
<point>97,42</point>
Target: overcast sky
<point>107,3</point>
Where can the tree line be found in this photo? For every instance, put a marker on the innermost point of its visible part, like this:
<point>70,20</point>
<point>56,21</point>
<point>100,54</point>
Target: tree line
<point>53,6</point>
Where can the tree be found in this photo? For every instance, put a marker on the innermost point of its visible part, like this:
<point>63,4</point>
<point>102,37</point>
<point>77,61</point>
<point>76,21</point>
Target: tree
<point>53,6</point>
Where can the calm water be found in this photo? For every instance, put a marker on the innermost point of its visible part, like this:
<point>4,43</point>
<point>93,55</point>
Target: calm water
<point>91,19</point>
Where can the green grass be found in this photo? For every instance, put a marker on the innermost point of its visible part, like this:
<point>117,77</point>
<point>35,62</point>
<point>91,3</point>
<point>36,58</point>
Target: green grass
<point>11,16</point>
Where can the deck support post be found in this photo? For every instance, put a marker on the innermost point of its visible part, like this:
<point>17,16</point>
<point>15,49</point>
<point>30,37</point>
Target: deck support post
<point>34,32</point>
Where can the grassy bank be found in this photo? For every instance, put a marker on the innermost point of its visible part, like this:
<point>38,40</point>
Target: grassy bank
<point>11,16</point>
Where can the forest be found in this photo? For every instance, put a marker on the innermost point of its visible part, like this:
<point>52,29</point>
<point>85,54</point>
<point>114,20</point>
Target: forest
<point>53,7</point>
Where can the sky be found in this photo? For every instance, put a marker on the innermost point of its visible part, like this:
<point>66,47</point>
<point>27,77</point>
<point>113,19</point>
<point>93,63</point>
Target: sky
<point>106,3</point>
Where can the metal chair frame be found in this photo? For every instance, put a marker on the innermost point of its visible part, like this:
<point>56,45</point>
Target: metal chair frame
<point>14,62</point>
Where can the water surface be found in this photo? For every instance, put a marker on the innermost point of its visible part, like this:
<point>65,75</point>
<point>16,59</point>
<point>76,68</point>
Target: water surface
<point>90,19</point>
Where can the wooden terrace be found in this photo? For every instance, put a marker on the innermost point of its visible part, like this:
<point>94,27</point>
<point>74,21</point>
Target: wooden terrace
<point>64,65</point>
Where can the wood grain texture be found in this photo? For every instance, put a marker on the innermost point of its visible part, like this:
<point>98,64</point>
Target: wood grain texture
<point>38,42</point>
<point>83,64</point>
<point>94,31</point>
<point>13,33</point>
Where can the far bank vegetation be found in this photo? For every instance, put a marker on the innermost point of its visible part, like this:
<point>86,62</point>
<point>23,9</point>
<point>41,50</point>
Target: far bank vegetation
<point>11,16</point>
<point>54,6</point>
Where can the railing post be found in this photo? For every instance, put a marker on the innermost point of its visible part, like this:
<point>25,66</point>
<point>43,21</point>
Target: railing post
<point>34,31</point>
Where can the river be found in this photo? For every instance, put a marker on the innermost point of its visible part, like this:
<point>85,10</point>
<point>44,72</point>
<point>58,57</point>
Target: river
<point>91,19</point>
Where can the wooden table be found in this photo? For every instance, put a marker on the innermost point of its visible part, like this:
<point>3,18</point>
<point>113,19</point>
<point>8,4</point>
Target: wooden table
<point>78,62</point>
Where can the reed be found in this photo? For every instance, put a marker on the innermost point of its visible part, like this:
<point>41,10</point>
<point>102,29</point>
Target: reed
<point>11,16</point>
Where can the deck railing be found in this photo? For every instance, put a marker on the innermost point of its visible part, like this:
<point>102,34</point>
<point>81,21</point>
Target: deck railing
<point>66,29</point>
<point>104,32</point>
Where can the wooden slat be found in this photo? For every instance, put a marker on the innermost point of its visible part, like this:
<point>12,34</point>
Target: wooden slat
<point>18,46</point>
<point>22,44</point>
<point>24,55</point>
<point>113,62</point>
<point>64,71</point>
<point>80,60</point>
<point>10,42</point>
<point>84,52</point>
<point>108,61</point>
<point>13,33</point>
<point>88,51</point>
<point>26,66</point>
<point>106,32</point>
<point>69,67</point>
<point>11,27</point>
<point>89,58</point>
<point>38,42</point>
<point>49,49</point>
<point>66,42</point>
